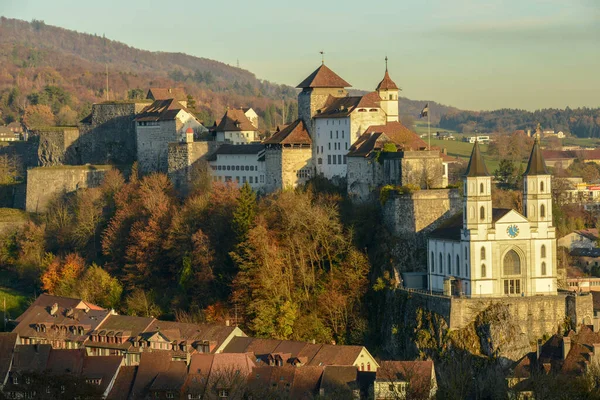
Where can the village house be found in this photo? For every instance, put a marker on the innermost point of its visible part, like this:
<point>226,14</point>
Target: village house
<point>579,239</point>
<point>405,379</point>
<point>236,128</point>
<point>7,135</point>
<point>168,93</point>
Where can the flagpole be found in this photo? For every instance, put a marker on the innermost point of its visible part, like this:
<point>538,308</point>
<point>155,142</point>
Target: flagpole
<point>428,127</point>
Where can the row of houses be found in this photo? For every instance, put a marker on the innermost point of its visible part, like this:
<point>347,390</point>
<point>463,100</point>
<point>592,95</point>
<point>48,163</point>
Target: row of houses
<point>69,348</point>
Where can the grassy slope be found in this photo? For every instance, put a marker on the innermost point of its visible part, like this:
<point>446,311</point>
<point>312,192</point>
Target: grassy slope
<point>16,303</point>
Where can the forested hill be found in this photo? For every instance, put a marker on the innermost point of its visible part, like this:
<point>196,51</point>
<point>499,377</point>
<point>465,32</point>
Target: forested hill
<point>581,122</point>
<point>35,56</point>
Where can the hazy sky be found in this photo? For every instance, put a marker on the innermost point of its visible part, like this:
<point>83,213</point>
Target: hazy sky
<point>473,54</point>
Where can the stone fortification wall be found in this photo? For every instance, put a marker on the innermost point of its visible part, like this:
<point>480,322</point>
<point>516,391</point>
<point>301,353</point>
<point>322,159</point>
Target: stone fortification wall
<point>182,158</point>
<point>364,176</point>
<point>282,165</point>
<point>110,138</point>
<point>420,212</point>
<point>44,183</point>
<point>55,145</point>
<point>153,146</point>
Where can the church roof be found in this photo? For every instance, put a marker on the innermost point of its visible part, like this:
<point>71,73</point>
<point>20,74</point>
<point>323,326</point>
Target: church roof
<point>387,83</point>
<point>451,228</point>
<point>294,133</point>
<point>323,77</point>
<point>476,165</point>
<point>536,165</point>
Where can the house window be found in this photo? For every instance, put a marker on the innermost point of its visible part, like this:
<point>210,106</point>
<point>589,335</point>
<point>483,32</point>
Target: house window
<point>483,271</point>
<point>329,159</point>
<point>337,134</point>
<point>482,213</point>
<point>482,253</point>
<point>330,135</point>
<point>345,161</point>
<point>543,211</point>
<point>362,366</point>
<point>320,161</point>
<point>368,366</point>
<point>339,158</point>
<point>543,268</point>
<point>334,159</point>
<point>329,144</point>
<point>251,179</point>
<point>512,263</point>
<point>543,252</point>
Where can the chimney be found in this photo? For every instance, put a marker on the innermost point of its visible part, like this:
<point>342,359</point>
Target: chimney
<point>169,90</point>
<point>70,312</point>
<point>54,309</point>
<point>189,135</point>
<point>566,347</point>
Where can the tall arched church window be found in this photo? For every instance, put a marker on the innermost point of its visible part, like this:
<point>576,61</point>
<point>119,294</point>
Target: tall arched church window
<point>441,266</point>
<point>543,251</point>
<point>512,263</point>
<point>542,211</point>
<point>543,268</point>
<point>481,188</point>
<point>482,213</point>
<point>449,265</point>
<point>457,265</point>
<point>432,262</point>
<point>483,253</point>
<point>483,271</point>
<point>542,186</point>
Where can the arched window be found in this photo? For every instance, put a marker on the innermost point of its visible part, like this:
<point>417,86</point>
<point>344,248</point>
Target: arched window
<point>543,268</point>
<point>441,266</point>
<point>449,265</point>
<point>465,257</point>
<point>483,272</point>
<point>512,263</point>
<point>483,253</point>
<point>543,252</point>
<point>542,186</point>
<point>368,366</point>
<point>542,211</point>
<point>432,262</point>
<point>457,265</point>
<point>466,269</point>
<point>482,213</point>
<point>481,188</point>
<point>362,366</point>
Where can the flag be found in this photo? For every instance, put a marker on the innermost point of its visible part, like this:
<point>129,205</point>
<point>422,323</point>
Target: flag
<point>425,111</point>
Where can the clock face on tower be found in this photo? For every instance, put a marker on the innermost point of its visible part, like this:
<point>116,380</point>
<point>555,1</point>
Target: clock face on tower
<point>513,231</point>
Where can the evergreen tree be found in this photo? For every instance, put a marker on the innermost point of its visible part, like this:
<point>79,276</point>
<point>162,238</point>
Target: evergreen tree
<point>244,213</point>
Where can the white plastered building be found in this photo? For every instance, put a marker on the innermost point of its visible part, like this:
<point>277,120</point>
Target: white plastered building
<point>493,252</point>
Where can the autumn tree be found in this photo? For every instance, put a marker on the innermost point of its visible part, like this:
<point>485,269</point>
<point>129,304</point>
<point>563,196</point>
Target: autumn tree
<point>38,116</point>
<point>98,287</point>
<point>245,212</point>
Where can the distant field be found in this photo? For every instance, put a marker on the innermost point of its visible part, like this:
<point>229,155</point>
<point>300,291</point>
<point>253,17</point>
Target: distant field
<point>583,142</point>
<point>16,303</point>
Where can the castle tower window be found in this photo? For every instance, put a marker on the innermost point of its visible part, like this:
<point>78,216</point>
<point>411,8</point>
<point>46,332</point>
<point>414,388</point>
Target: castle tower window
<point>482,213</point>
<point>542,211</point>
<point>543,251</point>
<point>483,271</point>
<point>481,188</point>
<point>483,253</point>
<point>320,161</point>
<point>543,268</point>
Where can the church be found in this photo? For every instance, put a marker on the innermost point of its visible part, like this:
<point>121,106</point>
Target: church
<point>495,252</point>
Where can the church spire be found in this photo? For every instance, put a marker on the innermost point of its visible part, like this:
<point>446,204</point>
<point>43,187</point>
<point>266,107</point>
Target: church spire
<point>476,165</point>
<point>387,83</point>
<point>536,164</point>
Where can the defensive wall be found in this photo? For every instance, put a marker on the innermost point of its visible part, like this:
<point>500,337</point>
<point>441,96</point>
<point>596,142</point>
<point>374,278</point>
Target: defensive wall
<point>282,166</point>
<point>44,183</point>
<point>535,315</point>
<point>182,158</point>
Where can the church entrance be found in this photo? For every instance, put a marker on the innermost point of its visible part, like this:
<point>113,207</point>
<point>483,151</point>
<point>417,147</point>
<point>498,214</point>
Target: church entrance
<point>511,269</point>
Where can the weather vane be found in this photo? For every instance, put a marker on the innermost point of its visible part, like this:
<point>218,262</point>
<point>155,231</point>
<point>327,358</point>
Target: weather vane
<point>322,57</point>
<point>386,60</point>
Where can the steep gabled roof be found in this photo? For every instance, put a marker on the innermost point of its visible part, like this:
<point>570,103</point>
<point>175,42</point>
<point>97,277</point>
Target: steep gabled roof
<point>8,342</point>
<point>387,83</point>
<point>151,364</point>
<point>536,164</point>
<point>235,120</point>
<point>101,367</point>
<point>167,93</point>
<point>323,77</point>
<point>161,110</point>
<point>476,165</point>
<point>172,379</point>
<point>123,384</point>
<point>294,133</point>
<point>338,107</point>
<point>47,300</point>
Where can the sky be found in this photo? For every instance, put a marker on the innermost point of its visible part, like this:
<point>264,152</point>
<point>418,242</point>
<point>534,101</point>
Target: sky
<point>471,54</point>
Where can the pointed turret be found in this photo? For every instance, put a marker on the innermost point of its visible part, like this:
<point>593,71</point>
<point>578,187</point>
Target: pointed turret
<point>536,164</point>
<point>323,77</point>
<point>387,83</point>
<point>388,93</point>
<point>476,165</point>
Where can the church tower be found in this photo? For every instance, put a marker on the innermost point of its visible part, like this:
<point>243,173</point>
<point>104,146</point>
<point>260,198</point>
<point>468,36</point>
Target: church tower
<point>388,93</point>
<point>477,213</point>
<point>537,198</point>
<point>317,88</point>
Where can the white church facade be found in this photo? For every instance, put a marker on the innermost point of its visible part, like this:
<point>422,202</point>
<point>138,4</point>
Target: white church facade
<point>493,252</point>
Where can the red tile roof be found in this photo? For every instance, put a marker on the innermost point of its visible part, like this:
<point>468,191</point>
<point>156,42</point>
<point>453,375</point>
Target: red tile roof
<point>63,361</point>
<point>377,135</point>
<point>323,77</point>
<point>123,384</point>
<point>294,133</point>
<point>47,300</point>
<point>387,83</point>
<point>417,373</point>
<point>167,93</point>
<point>31,357</point>
<point>161,110</point>
<point>151,364</point>
<point>8,341</point>
<point>172,379</point>
<point>101,367</point>
<point>235,120</point>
